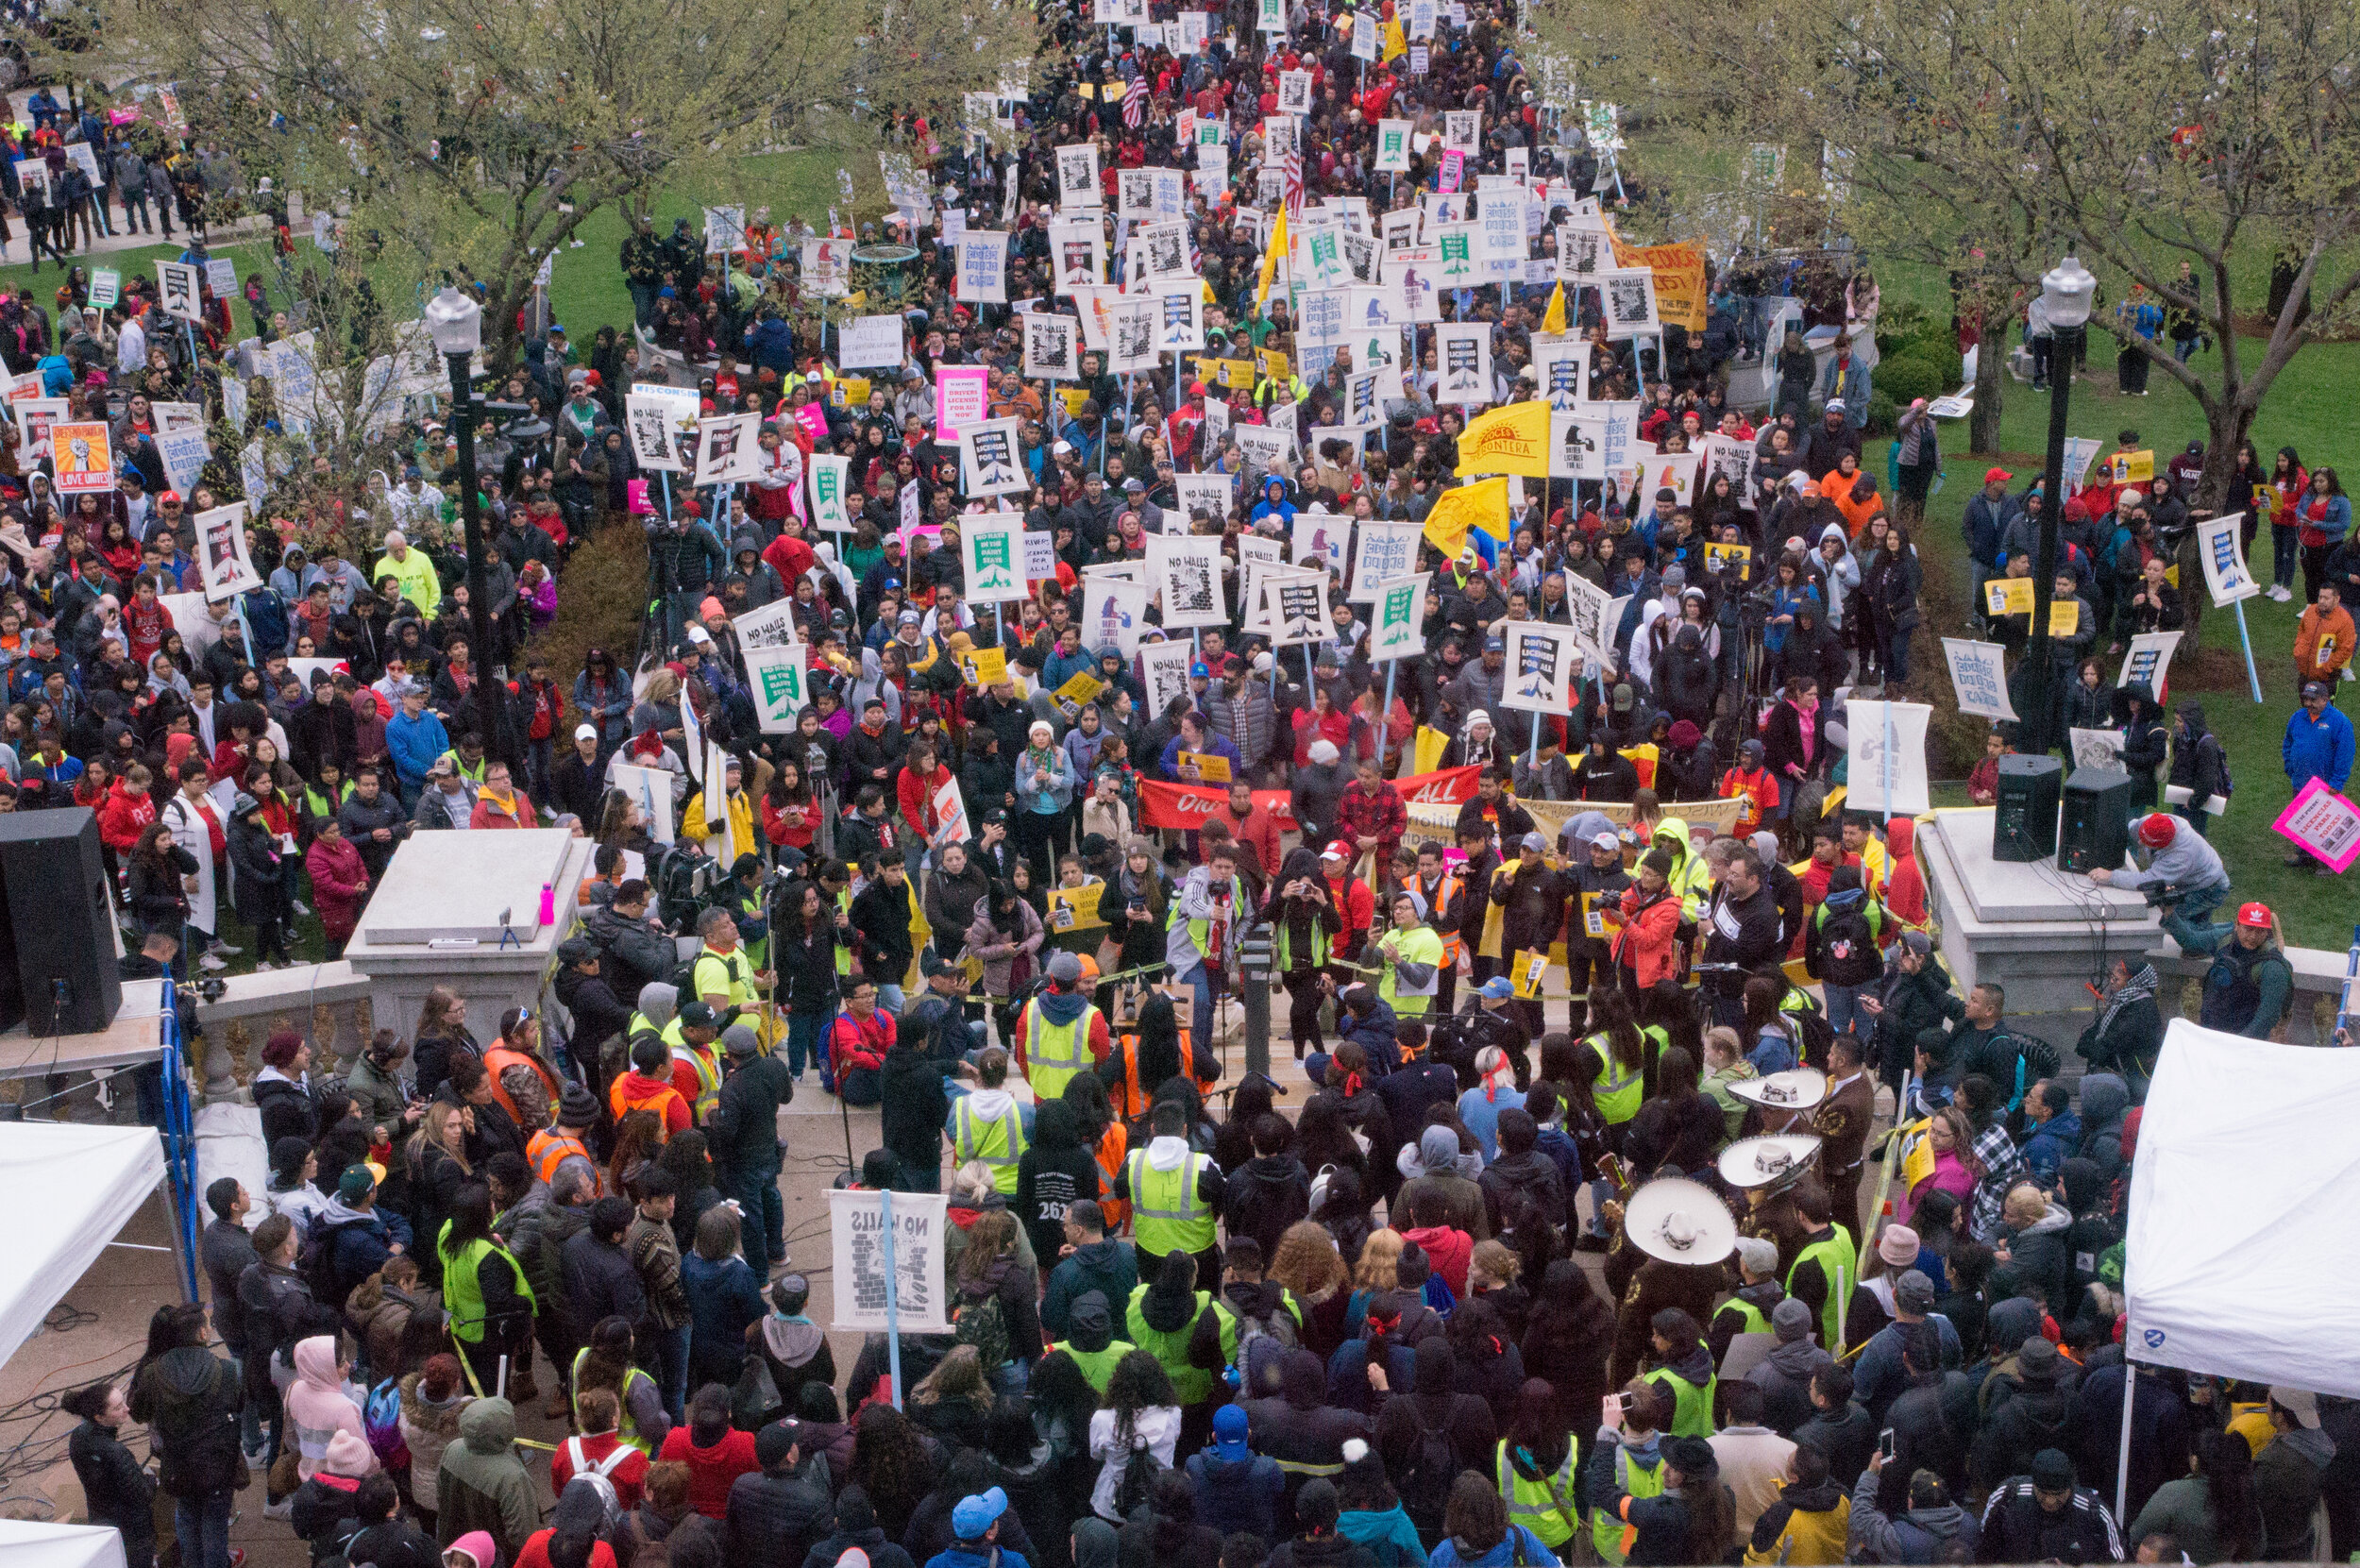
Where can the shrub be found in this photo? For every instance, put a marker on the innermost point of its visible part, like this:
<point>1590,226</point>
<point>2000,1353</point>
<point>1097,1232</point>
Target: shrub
<point>1906,378</point>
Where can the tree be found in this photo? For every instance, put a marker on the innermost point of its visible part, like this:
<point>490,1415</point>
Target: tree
<point>2007,134</point>
<point>480,139</point>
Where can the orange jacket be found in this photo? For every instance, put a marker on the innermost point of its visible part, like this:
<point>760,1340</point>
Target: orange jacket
<point>2324,642</point>
<point>1649,940</point>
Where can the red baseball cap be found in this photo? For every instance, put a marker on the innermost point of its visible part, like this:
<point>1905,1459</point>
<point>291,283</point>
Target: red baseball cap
<point>1994,475</point>
<point>1337,850</point>
<point>2255,915</point>
<point>2155,830</point>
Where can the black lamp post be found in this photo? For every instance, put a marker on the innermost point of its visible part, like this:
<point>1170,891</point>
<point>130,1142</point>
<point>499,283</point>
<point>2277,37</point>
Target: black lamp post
<point>2068,289</point>
<point>455,324</point>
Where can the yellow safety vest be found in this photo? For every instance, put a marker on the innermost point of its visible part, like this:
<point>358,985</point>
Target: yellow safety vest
<point>1168,1216</point>
<point>626,1428</point>
<point>999,1142</point>
<point>735,971</point>
<point>1617,1091</point>
<point>1839,1263</point>
<point>1419,945</point>
<point>1532,1504</point>
<point>1692,1406</point>
<point>1054,1054</point>
<point>462,1292</point>
<point>1097,1366</point>
<point>708,1070</point>
<point>1190,1384</point>
<point>1608,1534</point>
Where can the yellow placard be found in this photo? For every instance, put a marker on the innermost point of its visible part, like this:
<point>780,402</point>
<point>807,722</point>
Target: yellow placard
<point>1679,281</point>
<point>856,390</point>
<point>1274,363</point>
<point>1081,688</point>
<point>1593,922</point>
<point>1526,972</point>
<point>1917,1154</point>
<point>984,667</point>
<point>2008,595</point>
<point>2132,467</point>
<point>1072,398</point>
<point>1087,89</point>
<point>1236,375</point>
<point>1428,749</point>
<point>1211,766</point>
<point>1718,556</point>
<point>1075,908</point>
<point>2065,617</point>
<point>2264,500</point>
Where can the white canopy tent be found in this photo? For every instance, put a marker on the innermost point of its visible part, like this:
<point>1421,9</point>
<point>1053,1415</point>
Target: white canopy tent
<point>80,1185</point>
<point>2241,1260</point>
<point>28,1543</point>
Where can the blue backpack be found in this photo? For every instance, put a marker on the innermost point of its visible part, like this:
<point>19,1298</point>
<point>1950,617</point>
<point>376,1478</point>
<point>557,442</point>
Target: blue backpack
<point>380,1423</point>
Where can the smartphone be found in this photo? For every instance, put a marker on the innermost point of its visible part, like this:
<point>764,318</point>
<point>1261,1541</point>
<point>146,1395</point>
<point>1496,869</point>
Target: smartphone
<point>1884,1445</point>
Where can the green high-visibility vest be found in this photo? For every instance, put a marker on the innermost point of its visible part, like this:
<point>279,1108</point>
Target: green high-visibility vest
<point>998,1142</point>
<point>1608,1534</point>
<point>626,1429</point>
<point>1168,1216</point>
<point>1840,1265</point>
<point>1618,1089</point>
<point>463,1290</point>
<point>1097,1366</point>
<point>1191,1385</point>
<point>1534,1504</point>
<point>1750,1314</point>
<point>1692,1406</point>
<point>1227,1317</point>
<point>1054,1054</point>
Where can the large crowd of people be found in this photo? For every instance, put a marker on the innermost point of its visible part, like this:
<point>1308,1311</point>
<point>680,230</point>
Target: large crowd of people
<point>1624,1271</point>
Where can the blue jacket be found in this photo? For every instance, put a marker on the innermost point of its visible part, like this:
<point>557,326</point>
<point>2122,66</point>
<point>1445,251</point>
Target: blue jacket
<point>771,343</point>
<point>2052,1143</point>
<point>1986,524</point>
<point>415,743</point>
<point>2321,749</point>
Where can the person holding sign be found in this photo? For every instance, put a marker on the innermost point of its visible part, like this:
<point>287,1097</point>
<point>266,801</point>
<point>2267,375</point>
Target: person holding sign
<point>1413,956</point>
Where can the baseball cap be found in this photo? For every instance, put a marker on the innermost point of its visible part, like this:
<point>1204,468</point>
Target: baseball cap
<point>975,1515</point>
<point>2315,688</point>
<point>358,1183</point>
<point>1495,645</point>
<point>1607,841</point>
<point>2254,915</point>
<point>1337,850</point>
<point>1995,475</point>
<point>1533,841</point>
<point>699,635</point>
<point>585,732</point>
<point>1198,671</point>
<point>1497,988</point>
<point>1229,1432</point>
<point>2302,1404</point>
<point>698,1015</point>
<point>1835,405</point>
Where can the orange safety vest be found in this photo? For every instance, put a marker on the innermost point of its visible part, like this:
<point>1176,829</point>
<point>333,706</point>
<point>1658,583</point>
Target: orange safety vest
<point>622,1106</point>
<point>501,1057</point>
<point>1111,1151</point>
<point>1135,1101</point>
<point>1444,891</point>
<point>548,1148</point>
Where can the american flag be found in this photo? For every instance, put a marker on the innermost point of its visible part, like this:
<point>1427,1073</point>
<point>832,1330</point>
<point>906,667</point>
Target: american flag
<point>1135,102</point>
<point>1291,166</point>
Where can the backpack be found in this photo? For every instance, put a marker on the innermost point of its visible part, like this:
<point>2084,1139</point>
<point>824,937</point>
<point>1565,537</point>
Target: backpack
<point>1425,1486</point>
<point>317,1263</point>
<point>1136,1486</point>
<point>380,1423</point>
<point>983,1324</point>
<point>601,1475</point>
<point>1814,1034</point>
<point>1263,1343</point>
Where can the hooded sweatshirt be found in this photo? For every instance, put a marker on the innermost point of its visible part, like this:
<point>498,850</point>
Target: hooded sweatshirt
<point>319,1405</point>
<point>482,1485</point>
<point>1920,1535</point>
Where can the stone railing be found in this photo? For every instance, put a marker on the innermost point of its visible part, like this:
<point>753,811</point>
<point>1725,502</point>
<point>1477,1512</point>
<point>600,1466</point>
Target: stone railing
<point>328,1004</point>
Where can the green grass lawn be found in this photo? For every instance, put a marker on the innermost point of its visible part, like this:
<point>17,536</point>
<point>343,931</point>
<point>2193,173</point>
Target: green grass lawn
<point>2309,408</point>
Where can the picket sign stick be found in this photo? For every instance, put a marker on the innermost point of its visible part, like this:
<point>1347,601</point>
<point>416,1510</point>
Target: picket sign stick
<point>499,1387</point>
<point>1384,715</point>
<point>2129,1381</point>
<point>893,1297</point>
<point>2246,639</point>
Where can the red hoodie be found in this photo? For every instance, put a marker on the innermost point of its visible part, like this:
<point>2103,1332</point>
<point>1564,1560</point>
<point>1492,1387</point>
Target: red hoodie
<point>1449,1251</point>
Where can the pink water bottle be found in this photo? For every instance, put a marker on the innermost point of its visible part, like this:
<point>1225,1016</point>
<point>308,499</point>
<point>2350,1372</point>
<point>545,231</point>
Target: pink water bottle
<point>548,905</point>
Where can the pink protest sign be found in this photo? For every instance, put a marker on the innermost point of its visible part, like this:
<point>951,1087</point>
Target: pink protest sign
<point>814,419</point>
<point>1453,171</point>
<point>962,397</point>
<point>2324,823</point>
<point>635,496</point>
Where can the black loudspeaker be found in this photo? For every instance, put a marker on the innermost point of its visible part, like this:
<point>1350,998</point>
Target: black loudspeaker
<point>2025,825</point>
<point>2097,828</point>
<point>53,890</point>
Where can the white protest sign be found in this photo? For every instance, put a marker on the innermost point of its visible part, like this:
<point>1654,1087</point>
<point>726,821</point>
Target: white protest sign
<point>1539,672</point>
<point>1400,618</point>
<point>868,343</point>
<point>1887,770</point>
<point>776,677</point>
<point>1979,673</point>
<point>2220,546</point>
<point>859,1245</point>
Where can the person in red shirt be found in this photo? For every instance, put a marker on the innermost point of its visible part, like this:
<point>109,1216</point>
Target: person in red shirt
<point>1826,853</point>
<point>716,1452</point>
<point>648,1085</point>
<point>1253,826</point>
<point>1373,813</point>
<point>789,556</point>
<point>1449,1251</point>
<point>145,621</point>
<point>857,1043</point>
<point>1352,898</point>
<point>596,1447</point>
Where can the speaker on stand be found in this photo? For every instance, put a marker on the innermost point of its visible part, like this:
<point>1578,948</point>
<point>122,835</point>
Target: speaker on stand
<point>2097,826</point>
<point>61,938</point>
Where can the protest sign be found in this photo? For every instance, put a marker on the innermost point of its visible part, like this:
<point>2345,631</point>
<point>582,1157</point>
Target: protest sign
<point>1887,767</point>
<point>1400,614</point>
<point>2219,544</point>
<point>1979,674</point>
<point>81,458</point>
<point>2148,661</point>
<point>2323,823</point>
<point>879,1277</point>
<point>1538,674</point>
<point>776,675</point>
<point>868,343</point>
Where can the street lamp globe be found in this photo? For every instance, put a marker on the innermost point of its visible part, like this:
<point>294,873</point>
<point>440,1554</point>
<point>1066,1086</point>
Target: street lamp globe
<point>456,322</point>
<point>2069,289</point>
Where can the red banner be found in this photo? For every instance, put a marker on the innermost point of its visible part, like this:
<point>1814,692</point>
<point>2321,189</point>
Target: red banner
<point>1187,806</point>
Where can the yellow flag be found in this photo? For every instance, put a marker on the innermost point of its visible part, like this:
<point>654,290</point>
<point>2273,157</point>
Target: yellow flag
<point>1509,440</point>
<point>1397,45</point>
<point>1555,320</point>
<point>1278,243</point>
<point>1483,505</point>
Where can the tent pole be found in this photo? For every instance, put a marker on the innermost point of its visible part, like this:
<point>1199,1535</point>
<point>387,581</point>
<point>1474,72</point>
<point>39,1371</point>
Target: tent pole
<point>2122,1454</point>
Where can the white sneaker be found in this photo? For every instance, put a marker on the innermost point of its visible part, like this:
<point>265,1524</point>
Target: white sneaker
<point>2278,592</point>
<point>209,961</point>
<point>226,950</point>
<point>283,1509</point>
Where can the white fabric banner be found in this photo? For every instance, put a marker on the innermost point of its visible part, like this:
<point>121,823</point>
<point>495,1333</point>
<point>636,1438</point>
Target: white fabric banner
<point>1979,674</point>
<point>1887,770</point>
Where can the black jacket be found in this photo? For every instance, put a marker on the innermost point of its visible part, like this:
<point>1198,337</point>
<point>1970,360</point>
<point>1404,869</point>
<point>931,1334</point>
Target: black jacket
<point>117,1491</point>
<point>2017,1530</point>
<point>600,1283</point>
<point>227,1249</point>
<point>776,1515</point>
<point>743,1131</point>
<point>189,1400</point>
<point>1264,1196</point>
<point>632,955</point>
